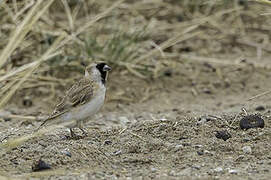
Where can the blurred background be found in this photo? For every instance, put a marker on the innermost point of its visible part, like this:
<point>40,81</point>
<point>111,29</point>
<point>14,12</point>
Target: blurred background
<point>46,45</point>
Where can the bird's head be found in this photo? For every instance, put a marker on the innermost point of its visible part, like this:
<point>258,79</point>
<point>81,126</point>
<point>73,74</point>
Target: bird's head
<point>98,71</point>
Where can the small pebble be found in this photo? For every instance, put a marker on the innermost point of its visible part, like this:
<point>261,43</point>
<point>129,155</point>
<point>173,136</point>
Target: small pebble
<point>153,169</point>
<point>40,166</point>
<point>200,153</point>
<point>67,153</point>
<point>246,139</point>
<point>107,142</point>
<point>260,108</point>
<point>198,146</point>
<point>218,169</point>
<point>124,120</point>
<point>27,102</point>
<point>233,171</point>
<point>206,91</point>
<point>117,152</point>
<point>196,167</point>
<point>178,147</point>
<point>225,135</point>
<point>247,149</point>
<point>172,173</point>
<point>208,152</point>
<point>251,121</point>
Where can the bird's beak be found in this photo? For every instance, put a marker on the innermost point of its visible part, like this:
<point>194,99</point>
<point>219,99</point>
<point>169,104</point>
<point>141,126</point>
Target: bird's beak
<point>106,68</point>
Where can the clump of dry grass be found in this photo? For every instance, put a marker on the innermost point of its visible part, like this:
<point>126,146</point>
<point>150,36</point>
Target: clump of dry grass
<point>40,37</point>
<point>142,37</point>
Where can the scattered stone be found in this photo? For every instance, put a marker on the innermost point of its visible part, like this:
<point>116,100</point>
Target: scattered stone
<point>203,120</point>
<point>182,138</point>
<point>198,146</point>
<point>208,152</point>
<point>107,142</point>
<point>246,139</point>
<point>5,115</point>
<point>251,121</point>
<point>197,167</point>
<point>27,123</point>
<point>168,73</point>
<point>163,119</point>
<point>67,153</point>
<point>260,108</point>
<point>40,166</point>
<point>124,120</point>
<point>233,171</point>
<point>247,149</point>
<point>225,135</point>
<point>218,169</point>
<point>27,102</point>
<point>172,173</point>
<point>206,91</point>
<point>178,147</point>
<point>117,152</point>
<point>200,153</point>
<point>153,169</point>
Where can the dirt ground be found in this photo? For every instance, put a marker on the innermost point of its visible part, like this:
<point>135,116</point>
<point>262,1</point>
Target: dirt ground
<point>163,127</point>
<point>167,131</point>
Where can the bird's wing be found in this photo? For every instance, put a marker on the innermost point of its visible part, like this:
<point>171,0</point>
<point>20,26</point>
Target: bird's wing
<point>79,94</point>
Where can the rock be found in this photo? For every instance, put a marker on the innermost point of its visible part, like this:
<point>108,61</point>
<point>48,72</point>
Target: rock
<point>202,120</point>
<point>172,173</point>
<point>200,153</point>
<point>197,167</point>
<point>251,121</point>
<point>225,135</point>
<point>67,153</point>
<point>233,171</point>
<point>218,169</point>
<point>178,147</point>
<point>153,169</point>
<point>40,166</point>
<point>27,101</point>
<point>247,149</point>
<point>107,142</point>
<point>124,120</point>
<point>117,152</point>
<point>198,146</point>
<point>260,108</point>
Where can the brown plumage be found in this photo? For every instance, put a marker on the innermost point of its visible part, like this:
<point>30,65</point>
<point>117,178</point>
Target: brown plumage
<point>83,99</point>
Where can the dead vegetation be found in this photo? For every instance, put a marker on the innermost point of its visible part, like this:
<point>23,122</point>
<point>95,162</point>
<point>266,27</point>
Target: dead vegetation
<point>40,38</point>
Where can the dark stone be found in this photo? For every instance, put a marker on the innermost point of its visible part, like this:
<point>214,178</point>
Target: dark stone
<point>107,142</point>
<point>260,108</point>
<point>40,166</point>
<point>251,121</point>
<point>225,135</point>
<point>200,153</point>
<point>27,102</point>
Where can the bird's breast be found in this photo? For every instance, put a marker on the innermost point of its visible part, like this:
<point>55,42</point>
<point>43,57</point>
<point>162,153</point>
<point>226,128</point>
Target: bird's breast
<point>88,109</point>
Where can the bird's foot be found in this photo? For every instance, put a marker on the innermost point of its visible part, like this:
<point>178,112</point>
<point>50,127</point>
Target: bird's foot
<point>74,136</point>
<point>85,134</point>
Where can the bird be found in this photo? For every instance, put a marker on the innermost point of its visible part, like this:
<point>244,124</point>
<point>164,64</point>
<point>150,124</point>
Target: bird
<point>84,99</point>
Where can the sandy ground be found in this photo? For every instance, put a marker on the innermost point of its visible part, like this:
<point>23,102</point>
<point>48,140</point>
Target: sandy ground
<point>156,129</point>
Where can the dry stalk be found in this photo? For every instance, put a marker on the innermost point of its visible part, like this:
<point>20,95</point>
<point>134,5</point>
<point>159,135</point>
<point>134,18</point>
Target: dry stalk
<point>25,26</point>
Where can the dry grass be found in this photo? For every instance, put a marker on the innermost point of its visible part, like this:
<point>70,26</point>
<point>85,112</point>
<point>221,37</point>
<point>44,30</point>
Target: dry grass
<point>38,38</point>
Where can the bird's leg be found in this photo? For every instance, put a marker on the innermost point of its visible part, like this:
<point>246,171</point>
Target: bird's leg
<point>81,128</point>
<point>72,133</point>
